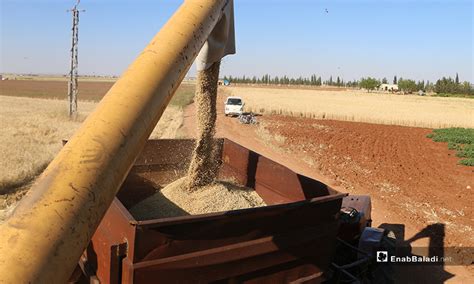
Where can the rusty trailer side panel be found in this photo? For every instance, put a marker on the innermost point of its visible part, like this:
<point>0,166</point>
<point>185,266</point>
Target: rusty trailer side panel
<point>290,240</point>
<point>222,246</point>
<point>274,182</point>
<point>109,245</point>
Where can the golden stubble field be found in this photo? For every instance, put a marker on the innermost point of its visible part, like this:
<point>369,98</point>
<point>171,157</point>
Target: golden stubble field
<point>359,106</point>
<point>31,135</point>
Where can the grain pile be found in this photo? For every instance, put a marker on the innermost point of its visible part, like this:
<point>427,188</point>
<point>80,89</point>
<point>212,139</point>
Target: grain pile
<point>204,162</point>
<point>176,200</point>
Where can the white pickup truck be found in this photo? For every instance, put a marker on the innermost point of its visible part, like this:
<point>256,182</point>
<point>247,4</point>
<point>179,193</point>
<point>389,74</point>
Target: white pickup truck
<point>233,106</point>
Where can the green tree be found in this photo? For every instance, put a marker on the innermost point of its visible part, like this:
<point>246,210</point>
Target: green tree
<point>384,81</point>
<point>457,79</point>
<point>407,86</point>
<point>369,83</point>
<point>467,88</point>
<point>430,87</point>
<point>420,85</point>
<point>395,80</point>
<point>449,86</point>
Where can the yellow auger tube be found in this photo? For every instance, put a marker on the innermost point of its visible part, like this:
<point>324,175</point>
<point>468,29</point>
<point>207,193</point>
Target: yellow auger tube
<point>51,227</point>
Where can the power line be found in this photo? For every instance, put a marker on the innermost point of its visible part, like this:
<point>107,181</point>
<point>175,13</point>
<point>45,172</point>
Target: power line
<point>73,85</point>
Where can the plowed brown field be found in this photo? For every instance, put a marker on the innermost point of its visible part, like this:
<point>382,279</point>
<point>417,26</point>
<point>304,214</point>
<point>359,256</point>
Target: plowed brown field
<point>89,91</point>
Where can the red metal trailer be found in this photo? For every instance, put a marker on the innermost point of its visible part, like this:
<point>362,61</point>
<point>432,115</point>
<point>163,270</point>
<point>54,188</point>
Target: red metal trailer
<point>291,239</point>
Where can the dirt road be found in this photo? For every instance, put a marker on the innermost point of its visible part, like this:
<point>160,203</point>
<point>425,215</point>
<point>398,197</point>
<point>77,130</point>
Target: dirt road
<point>416,186</point>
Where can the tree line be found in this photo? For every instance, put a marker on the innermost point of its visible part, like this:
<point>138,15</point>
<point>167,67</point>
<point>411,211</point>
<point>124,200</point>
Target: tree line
<point>313,80</point>
<point>444,85</point>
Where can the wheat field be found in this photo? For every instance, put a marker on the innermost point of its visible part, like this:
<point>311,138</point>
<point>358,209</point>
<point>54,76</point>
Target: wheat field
<point>32,131</point>
<point>405,110</point>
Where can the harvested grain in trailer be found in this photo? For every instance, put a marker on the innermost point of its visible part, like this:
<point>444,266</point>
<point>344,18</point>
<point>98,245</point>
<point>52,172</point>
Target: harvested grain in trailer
<point>176,200</point>
<point>199,192</point>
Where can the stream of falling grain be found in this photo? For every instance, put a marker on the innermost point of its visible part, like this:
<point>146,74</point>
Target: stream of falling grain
<point>204,162</point>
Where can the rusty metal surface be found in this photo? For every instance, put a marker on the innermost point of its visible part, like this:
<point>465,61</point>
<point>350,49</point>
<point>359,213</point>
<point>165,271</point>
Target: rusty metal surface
<point>242,258</point>
<point>287,242</point>
<point>174,236</point>
<point>167,152</point>
<point>293,272</point>
<point>238,163</point>
<point>274,182</point>
<point>109,245</point>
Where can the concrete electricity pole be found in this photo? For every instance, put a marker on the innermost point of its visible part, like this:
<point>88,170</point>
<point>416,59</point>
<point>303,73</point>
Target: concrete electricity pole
<point>72,86</point>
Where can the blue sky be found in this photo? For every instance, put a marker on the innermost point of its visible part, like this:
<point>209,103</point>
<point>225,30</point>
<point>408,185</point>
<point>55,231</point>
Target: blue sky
<point>411,39</point>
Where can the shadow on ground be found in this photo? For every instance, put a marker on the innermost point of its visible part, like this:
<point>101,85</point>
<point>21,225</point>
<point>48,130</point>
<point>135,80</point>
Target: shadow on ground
<point>420,273</point>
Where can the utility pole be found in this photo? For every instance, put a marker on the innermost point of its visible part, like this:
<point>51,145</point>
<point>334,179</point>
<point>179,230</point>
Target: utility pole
<point>73,86</point>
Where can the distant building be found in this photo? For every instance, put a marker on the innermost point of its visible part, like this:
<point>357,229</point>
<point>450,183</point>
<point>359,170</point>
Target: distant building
<point>389,87</point>
<point>224,82</point>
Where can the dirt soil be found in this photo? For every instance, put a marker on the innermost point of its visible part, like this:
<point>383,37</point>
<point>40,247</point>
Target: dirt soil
<point>89,91</point>
<point>417,188</point>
